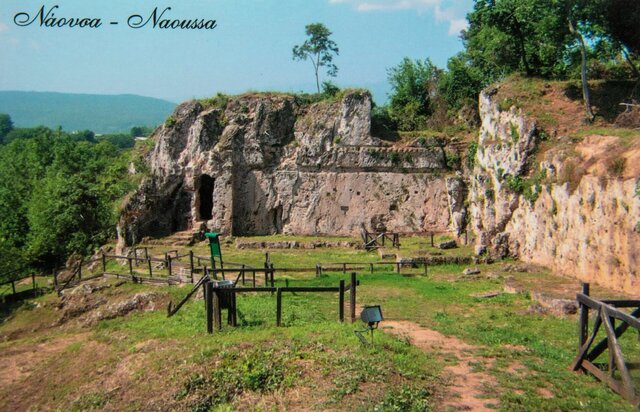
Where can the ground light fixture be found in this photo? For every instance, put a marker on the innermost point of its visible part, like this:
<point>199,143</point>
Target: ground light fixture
<point>372,316</point>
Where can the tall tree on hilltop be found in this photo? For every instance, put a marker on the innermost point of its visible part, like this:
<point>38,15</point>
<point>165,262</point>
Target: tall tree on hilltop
<point>318,48</point>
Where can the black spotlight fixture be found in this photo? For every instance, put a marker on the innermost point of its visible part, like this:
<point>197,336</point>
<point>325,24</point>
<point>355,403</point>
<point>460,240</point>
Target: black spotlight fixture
<point>372,316</point>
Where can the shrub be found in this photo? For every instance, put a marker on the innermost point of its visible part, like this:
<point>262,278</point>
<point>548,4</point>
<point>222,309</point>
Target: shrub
<point>472,151</point>
<point>170,121</point>
<point>394,157</point>
<point>516,184</point>
<point>616,166</point>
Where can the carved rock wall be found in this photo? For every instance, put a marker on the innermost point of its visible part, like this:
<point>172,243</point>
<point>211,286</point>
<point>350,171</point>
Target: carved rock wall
<point>590,231</point>
<point>280,166</point>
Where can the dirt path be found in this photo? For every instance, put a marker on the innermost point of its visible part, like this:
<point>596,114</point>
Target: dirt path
<point>468,388</point>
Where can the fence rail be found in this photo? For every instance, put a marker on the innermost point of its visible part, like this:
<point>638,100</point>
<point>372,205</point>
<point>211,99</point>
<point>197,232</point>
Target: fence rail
<point>607,312</point>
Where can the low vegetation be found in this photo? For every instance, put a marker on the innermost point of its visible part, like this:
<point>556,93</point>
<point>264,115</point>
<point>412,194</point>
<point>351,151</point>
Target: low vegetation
<point>145,360</point>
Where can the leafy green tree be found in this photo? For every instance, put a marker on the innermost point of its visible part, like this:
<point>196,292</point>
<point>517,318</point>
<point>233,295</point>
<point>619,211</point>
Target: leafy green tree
<point>461,83</point>
<point>65,215</point>
<point>6,125</point>
<point>319,49</point>
<point>413,85</point>
<point>517,35</point>
<point>57,195</point>
<point>141,131</point>
<point>622,17</point>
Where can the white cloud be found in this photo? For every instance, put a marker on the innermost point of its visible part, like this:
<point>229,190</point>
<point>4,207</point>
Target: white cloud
<point>450,11</point>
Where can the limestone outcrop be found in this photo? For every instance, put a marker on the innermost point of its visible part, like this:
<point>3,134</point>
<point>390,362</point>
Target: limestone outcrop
<point>564,208</point>
<point>269,163</point>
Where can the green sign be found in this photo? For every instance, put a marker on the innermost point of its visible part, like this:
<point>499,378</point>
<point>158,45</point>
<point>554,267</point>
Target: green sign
<point>214,244</point>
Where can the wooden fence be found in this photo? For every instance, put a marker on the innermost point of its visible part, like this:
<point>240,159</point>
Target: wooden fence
<point>223,297</point>
<point>11,290</point>
<point>607,312</point>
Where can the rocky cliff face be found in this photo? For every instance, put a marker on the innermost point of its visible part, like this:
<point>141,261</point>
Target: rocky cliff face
<point>266,164</point>
<point>563,208</point>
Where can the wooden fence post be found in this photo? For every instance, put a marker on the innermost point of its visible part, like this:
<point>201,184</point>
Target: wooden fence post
<point>130,268</point>
<point>341,301</point>
<point>104,263</point>
<point>209,305</point>
<point>584,318</point>
<point>371,268</point>
<point>272,271</point>
<point>33,280</point>
<point>169,259</point>
<point>204,289</point>
<point>234,317</point>
<point>150,270</point>
<point>217,312</point>
<point>13,286</point>
<point>425,266</point>
<point>398,267</point>
<point>352,297</point>
<point>243,267</point>
<point>191,263</point>
<point>278,307</point>
<point>344,268</point>
<point>80,270</point>
<point>432,244</point>
<point>254,278</point>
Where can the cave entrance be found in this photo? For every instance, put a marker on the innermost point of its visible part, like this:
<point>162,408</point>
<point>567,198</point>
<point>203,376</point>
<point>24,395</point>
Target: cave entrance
<point>205,197</point>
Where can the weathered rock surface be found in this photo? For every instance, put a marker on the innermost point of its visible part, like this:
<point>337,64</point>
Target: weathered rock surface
<point>268,164</point>
<point>449,244</point>
<point>584,227</point>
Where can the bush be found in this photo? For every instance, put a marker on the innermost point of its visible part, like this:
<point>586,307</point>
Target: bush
<point>472,151</point>
<point>616,166</point>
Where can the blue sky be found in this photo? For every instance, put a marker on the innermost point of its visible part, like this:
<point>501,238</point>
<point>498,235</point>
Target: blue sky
<point>250,49</point>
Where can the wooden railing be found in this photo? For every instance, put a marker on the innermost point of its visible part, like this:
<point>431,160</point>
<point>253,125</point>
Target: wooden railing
<point>607,313</point>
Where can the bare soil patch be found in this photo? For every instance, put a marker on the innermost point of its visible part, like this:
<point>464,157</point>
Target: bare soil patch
<point>469,389</point>
<point>18,362</point>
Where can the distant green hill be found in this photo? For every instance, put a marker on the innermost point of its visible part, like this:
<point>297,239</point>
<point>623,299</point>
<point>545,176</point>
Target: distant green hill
<point>100,113</point>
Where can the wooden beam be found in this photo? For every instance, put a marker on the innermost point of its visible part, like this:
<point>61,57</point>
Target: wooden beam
<point>341,301</point>
<point>279,307</point>
<point>584,319</point>
<point>616,354</point>
<point>352,297</point>
<point>209,305</point>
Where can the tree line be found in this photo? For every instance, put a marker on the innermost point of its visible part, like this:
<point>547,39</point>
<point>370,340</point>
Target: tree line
<point>59,194</point>
<point>552,39</point>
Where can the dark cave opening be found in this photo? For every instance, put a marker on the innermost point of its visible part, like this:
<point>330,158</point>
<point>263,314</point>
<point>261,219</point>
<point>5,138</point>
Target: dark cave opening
<point>205,197</point>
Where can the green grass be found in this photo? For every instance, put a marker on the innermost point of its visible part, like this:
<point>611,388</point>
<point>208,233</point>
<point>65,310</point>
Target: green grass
<point>247,367</point>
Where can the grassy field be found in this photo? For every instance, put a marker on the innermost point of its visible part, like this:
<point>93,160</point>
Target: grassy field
<point>146,361</point>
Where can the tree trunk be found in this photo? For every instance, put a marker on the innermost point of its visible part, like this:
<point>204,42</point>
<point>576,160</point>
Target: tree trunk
<point>635,72</point>
<point>317,67</point>
<point>523,50</point>
<point>585,85</point>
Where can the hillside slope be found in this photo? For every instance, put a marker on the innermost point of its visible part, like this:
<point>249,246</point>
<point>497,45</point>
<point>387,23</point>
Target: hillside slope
<point>100,113</point>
